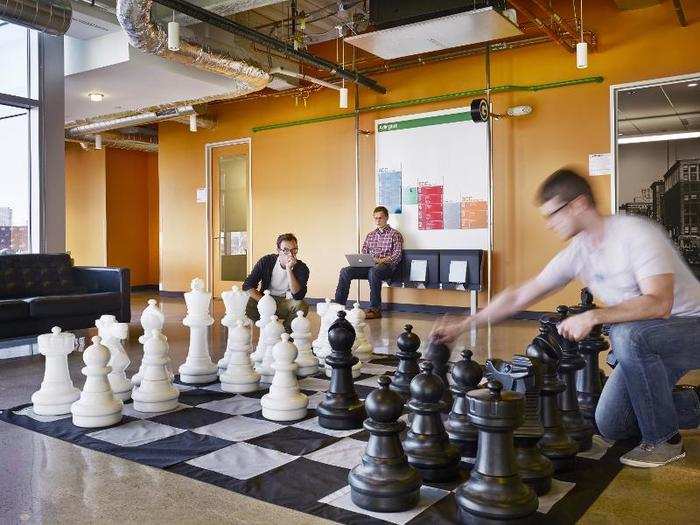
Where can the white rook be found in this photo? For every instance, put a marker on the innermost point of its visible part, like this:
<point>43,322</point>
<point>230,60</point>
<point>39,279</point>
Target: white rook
<point>57,392</point>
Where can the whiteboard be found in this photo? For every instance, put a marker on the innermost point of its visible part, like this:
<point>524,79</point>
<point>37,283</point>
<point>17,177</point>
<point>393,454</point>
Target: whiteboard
<point>432,174</point>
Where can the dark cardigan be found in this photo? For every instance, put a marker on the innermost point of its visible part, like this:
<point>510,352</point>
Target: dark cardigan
<point>262,272</point>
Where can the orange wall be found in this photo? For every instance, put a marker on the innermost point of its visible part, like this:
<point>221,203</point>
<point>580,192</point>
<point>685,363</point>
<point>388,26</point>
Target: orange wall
<point>86,218</point>
<point>302,175</point>
<point>112,210</point>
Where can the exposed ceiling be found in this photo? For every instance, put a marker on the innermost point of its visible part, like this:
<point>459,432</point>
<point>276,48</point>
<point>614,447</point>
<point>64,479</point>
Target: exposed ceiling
<point>672,107</point>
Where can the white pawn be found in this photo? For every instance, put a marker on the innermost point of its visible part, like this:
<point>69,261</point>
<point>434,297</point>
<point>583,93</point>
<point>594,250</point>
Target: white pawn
<point>273,330</point>
<point>57,392</point>
<point>321,309</point>
<point>235,301</point>
<point>324,350</point>
<point>97,406</point>
<point>152,318</point>
<point>284,401</point>
<point>198,367</point>
<point>301,334</point>
<point>361,348</point>
<point>112,334</point>
<point>239,377</point>
<point>266,308</point>
<point>156,392</point>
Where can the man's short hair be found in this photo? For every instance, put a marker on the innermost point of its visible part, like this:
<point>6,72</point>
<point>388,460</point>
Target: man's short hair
<point>565,184</point>
<point>381,209</point>
<point>289,237</point>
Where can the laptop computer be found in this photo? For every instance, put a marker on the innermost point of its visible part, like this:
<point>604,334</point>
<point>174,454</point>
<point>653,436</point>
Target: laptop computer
<point>360,260</point>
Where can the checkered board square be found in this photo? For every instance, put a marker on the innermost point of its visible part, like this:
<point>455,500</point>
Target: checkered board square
<point>223,439</point>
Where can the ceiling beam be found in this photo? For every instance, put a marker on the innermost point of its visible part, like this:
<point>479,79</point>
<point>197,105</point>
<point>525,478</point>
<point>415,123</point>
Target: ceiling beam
<point>255,36</point>
<point>680,14</point>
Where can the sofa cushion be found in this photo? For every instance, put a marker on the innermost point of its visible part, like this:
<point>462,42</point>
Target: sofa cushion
<point>36,274</point>
<point>13,310</point>
<point>74,304</point>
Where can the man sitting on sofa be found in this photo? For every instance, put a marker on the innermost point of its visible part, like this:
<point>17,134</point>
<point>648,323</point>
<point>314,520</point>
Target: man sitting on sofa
<point>285,276</point>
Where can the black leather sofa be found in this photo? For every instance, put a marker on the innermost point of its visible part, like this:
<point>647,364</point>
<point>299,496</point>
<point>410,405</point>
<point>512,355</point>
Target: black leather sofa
<point>39,291</point>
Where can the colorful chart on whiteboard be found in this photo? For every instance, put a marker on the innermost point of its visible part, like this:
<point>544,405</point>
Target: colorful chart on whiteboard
<point>432,175</point>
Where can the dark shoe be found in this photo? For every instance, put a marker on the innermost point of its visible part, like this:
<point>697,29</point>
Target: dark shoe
<point>373,313</point>
<point>650,456</point>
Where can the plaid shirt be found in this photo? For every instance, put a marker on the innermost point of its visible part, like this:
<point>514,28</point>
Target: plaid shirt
<point>384,243</point>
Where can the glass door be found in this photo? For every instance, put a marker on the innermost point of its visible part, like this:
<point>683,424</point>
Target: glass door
<point>230,172</point>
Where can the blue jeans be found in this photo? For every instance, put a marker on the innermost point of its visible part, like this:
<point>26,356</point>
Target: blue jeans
<point>651,357</point>
<point>374,275</point>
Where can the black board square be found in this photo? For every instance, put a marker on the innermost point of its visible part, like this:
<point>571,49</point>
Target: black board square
<point>197,396</point>
<point>294,441</point>
<point>189,418</point>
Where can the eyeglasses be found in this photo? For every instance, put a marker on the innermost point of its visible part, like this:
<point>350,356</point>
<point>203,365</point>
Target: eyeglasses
<point>287,251</point>
<point>551,214</point>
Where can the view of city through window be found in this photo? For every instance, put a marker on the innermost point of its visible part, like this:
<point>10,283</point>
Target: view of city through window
<point>15,173</point>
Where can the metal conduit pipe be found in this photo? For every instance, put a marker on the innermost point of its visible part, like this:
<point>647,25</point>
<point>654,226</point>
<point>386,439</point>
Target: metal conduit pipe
<point>48,16</point>
<point>563,24</point>
<point>520,6</point>
<point>115,140</point>
<point>148,117</point>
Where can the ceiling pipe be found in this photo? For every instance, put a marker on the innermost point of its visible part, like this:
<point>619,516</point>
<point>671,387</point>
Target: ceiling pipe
<point>563,24</point>
<point>517,4</point>
<point>148,117</point>
<point>301,76</point>
<point>255,36</point>
<point>680,14</point>
<point>52,17</point>
<point>135,142</point>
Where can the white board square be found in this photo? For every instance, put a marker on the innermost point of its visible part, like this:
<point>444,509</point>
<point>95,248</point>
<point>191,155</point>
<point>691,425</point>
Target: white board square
<point>376,369</point>
<point>558,491</point>
<point>312,424</point>
<point>428,496</point>
<point>315,399</point>
<point>314,383</point>
<point>346,453</point>
<point>237,405</point>
<point>242,460</point>
<point>29,412</point>
<point>130,411</point>
<point>238,428</point>
<point>136,433</point>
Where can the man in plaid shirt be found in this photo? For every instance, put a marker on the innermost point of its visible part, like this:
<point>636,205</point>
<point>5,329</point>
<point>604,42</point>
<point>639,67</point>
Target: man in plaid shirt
<point>385,245</point>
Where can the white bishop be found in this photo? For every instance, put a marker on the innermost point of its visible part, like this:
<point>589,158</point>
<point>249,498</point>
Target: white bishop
<point>266,308</point>
<point>362,347</point>
<point>329,317</point>
<point>270,336</point>
<point>152,318</point>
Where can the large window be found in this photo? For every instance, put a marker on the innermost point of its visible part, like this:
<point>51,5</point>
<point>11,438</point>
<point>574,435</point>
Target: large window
<point>19,107</point>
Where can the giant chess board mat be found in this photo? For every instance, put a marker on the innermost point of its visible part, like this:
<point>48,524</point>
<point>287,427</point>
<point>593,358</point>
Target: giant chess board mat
<point>222,438</point>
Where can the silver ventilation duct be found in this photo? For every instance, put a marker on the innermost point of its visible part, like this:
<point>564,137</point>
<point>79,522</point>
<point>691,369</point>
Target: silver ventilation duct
<point>48,16</point>
<point>135,142</point>
<point>147,117</point>
<point>134,17</point>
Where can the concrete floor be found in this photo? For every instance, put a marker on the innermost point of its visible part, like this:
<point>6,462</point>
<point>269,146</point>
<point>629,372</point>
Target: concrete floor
<point>45,480</point>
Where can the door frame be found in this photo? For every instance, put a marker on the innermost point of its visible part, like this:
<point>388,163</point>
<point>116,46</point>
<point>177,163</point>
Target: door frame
<point>614,89</point>
<point>208,148</point>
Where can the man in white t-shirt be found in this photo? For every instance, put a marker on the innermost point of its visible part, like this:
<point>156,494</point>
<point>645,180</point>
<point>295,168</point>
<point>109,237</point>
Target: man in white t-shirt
<point>652,302</point>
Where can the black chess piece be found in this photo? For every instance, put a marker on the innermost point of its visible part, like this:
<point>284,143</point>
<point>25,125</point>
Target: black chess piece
<point>342,408</point>
<point>439,355</point>
<point>556,443</point>
<point>426,444</point>
<point>494,492</point>
<point>408,354</point>
<point>524,374</point>
<point>466,375</point>
<point>384,481</point>
<point>589,379</point>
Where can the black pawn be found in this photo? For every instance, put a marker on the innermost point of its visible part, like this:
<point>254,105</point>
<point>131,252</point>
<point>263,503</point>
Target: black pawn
<point>494,491</point>
<point>589,379</point>
<point>524,375</point>
<point>342,408</point>
<point>439,355</point>
<point>384,481</point>
<point>408,354</point>
<point>575,425</point>
<point>427,445</point>
<point>555,443</point>
<point>467,375</point>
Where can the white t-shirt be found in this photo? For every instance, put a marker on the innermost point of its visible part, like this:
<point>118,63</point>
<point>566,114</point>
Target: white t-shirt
<point>279,283</point>
<point>632,249</point>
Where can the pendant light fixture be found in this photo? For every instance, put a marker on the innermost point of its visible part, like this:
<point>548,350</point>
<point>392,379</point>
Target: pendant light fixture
<point>582,46</point>
<point>173,35</point>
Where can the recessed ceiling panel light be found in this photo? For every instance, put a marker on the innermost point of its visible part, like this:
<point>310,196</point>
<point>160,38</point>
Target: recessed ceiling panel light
<point>96,97</point>
<point>693,84</point>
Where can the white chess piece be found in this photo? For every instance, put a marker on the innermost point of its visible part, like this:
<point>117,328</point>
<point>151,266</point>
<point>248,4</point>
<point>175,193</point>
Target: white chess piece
<point>97,406</point>
<point>301,335</point>
<point>321,309</point>
<point>284,401</point>
<point>361,348</point>
<point>239,377</point>
<point>152,318</point>
<point>235,301</point>
<point>198,367</point>
<point>324,350</point>
<point>273,330</point>
<point>266,308</point>
<point>156,392</point>
<point>112,334</point>
<point>57,392</point>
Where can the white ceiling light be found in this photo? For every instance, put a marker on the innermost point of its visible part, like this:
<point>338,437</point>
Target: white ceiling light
<point>660,137</point>
<point>95,97</point>
<point>582,46</point>
<point>343,98</point>
<point>193,122</point>
<point>693,84</point>
<point>98,141</point>
<point>173,35</point>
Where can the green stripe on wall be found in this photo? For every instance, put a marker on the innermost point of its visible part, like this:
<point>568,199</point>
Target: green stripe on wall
<point>463,116</point>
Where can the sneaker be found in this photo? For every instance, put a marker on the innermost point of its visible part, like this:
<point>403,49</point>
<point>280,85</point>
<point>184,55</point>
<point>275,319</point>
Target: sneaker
<point>373,313</point>
<point>650,456</point>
